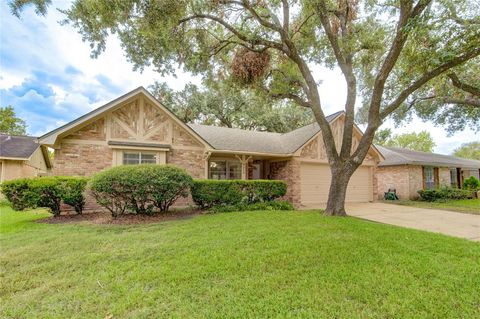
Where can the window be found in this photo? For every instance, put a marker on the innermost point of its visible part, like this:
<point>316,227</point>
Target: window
<point>225,170</point>
<point>453,177</point>
<point>132,158</point>
<point>429,178</point>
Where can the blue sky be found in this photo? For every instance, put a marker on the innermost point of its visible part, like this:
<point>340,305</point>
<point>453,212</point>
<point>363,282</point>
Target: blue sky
<point>47,74</point>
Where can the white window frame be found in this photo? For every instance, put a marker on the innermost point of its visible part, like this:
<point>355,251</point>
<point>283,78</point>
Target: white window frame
<point>227,167</point>
<point>117,158</point>
<point>140,153</point>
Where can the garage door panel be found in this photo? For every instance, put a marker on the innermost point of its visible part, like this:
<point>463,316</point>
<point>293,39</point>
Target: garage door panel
<point>315,183</point>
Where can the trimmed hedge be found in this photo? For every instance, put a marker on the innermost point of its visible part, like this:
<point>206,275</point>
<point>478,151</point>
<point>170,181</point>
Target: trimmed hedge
<point>140,188</point>
<point>209,193</point>
<point>444,193</point>
<point>270,206</point>
<point>16,193</point>
<point>48,192</point>
<point>73,189</point>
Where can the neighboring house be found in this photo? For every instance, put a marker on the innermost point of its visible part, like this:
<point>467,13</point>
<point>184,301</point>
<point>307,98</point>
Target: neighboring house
<point>22,156</point>
<point>136,128</point>
<point>408,171</point>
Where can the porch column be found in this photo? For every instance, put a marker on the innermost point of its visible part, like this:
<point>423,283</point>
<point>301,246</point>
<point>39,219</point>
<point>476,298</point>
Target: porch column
<point>244,161</point>
<point>206,156</point>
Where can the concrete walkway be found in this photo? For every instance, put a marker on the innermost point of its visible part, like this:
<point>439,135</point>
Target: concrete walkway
<point>434,220</point>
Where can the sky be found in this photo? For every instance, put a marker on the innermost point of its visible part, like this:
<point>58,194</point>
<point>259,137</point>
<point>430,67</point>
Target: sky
<point>48,76</point>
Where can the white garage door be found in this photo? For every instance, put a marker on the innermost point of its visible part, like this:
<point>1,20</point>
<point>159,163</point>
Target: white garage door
<point>315,183</point>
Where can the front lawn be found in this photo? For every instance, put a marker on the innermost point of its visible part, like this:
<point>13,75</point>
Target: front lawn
<point>470,206</point>
<point>241,265</point>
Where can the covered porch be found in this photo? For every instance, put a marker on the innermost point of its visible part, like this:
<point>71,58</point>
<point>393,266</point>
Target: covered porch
<point>246,166</point>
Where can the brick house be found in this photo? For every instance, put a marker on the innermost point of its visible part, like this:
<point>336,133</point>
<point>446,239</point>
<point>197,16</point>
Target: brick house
<point>408,171</point>
<point>137,128</point>
<point>22,156</point>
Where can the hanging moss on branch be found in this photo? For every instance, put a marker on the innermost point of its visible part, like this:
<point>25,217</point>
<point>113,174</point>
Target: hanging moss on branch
<point>249,66</point>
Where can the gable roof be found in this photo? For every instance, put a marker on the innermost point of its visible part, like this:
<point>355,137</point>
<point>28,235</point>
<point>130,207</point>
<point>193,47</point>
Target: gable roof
<point>50,138</point>
<point>234,139</point>
<point>401,156</point>
<point>17,147</point>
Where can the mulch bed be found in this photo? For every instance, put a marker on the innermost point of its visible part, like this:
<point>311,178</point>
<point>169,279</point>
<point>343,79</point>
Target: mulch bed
<point>128,219</point>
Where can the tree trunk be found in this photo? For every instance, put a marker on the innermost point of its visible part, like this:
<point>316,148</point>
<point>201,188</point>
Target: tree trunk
<point>338,192</point>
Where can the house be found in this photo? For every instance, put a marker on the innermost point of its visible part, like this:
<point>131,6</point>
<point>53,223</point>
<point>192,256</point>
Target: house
<point>136,128</point>
<point>22,156</point>
<point>408,171</point>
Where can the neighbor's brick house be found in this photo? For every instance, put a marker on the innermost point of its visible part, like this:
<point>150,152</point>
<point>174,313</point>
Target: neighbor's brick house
<point>408,171</point>
<point>136,128</point>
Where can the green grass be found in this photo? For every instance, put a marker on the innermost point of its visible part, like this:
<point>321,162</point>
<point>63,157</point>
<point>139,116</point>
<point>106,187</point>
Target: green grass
<point>235,265</point>
<point>470,206</point>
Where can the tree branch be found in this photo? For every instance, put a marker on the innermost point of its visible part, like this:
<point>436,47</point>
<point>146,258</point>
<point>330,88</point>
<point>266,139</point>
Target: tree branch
<point>238,34</point>
<point>463,86</point>
<point>425,78</point>
<point>447,100</point>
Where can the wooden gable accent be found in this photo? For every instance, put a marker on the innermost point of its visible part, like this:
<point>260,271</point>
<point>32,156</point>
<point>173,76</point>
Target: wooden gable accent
<point>315,149</point>
<point>137,120</point>
<point>94,131</point>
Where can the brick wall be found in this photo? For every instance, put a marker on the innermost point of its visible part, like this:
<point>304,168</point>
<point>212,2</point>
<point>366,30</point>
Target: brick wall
<point>396,177</point>
<point>289,171</point>
<point>81,159</point>
<point>444,176</point>
<point>191,160</point>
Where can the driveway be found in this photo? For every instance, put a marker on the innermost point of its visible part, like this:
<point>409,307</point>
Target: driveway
<point>434,220</point>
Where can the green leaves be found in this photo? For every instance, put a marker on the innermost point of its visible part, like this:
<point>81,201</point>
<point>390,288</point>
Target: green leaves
<point>10,123</point>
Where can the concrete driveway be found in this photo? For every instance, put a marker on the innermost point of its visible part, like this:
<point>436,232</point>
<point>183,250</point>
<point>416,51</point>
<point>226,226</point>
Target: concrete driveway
<point>434,220</point>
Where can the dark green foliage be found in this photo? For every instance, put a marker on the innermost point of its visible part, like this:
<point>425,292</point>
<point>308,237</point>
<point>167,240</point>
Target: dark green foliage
<point>444,193</point>
<point>140,188</point>
<point>46,192</point>
<point>15,191</point>
<point>471,183</point>
<point>73,189</point>
<point>209,193</point>
<point>265,206</point>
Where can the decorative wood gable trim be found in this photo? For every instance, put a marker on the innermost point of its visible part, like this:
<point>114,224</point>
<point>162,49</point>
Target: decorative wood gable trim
<point>356,131</point>
<point>106,111</point>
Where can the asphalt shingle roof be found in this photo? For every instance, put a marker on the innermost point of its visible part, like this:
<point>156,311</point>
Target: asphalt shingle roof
<point>17,146</point>
<point>400,156</point>
<point>233,139</point>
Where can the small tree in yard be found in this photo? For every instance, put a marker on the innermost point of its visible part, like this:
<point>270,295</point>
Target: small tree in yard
<point>400,56</point>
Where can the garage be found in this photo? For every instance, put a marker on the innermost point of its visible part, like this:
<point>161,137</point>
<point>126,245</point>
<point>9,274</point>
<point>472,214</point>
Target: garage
<point>315,183</point>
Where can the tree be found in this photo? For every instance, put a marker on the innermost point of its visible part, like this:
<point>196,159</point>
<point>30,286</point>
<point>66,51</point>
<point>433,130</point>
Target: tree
<point>469,150</point>
<point>10,123</point>
<point>422,141</point>
<point>389,52</point>
<point>382,136</point>
<point>225,104</point>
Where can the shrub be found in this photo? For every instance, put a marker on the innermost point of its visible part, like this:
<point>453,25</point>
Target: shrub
<point>140,188</point>
<point>16,193</point>
<point>73,191</point>
<point>209,193</point>
<point>270,206</point>
<point>471,183</point>
<point>444,193</point>
<point>45,192</point>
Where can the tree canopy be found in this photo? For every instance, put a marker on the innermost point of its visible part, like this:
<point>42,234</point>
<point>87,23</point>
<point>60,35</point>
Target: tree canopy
<point>421,141</point>
<point>391,54</point>
<point>225,104</point>
<point>9,122</point>
<point>469,150</point>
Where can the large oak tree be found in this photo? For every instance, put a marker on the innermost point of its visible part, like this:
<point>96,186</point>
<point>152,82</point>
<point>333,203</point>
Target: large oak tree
<point>394,54</point>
